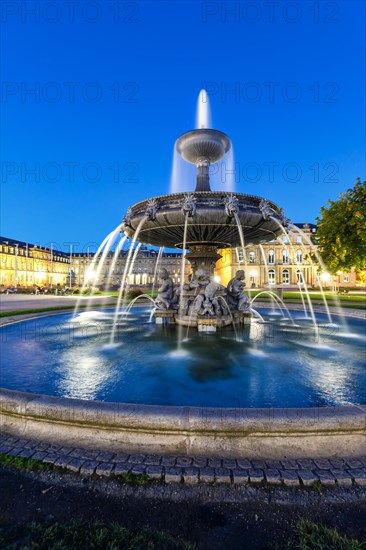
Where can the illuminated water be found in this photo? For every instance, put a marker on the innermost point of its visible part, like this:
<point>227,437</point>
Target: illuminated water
<point>275,364</point>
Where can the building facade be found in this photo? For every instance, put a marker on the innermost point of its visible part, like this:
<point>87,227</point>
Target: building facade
<point>288,261</point>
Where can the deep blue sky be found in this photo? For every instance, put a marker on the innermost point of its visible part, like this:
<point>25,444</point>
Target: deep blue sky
<point>162,54</point>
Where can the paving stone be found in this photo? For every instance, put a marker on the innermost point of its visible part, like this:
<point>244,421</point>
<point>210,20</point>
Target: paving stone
<point>75,464</point>
<point>65,451</point>
<point>207,475</point>
<point>104,469</point>
<point>273,464</point>
<point>325,476</point>
<point>342,477</point>
<point>89,454</point>
<point>50,458</point>
<point>53,448</point>
<point>363,460</point>
<point>121,468</point>
<point>154,472</point>
<point>255,476</point>
<point>173,475</point>
<point>215,463</point>
<point>322,463</point>
<point>290,477</point>
<point>138,469</point>
<point>258,464</point>
<point>273,476</point>
<point>105,456</point>
<point>230,464</point>
<point>306,464</point>
<point>240,476</point>
<point>153,460</point>
<point>354,463</point>
<point>338,463</point>
<point>359,476</point>
<point>30,445</point>
<point>307,477</point>
<point>39,455</point>
<point>121,457</point>
<point>5,448</point>
<point>191,475</point>
<point>26,453</point>
<point>289,464</point>
<point>222,475</point>
<point>41,446</point>
<point>62,461</point>
<point>243,463</point>
<point>20,443</point>
<point>199,462</point>
<point>136,459</point>
<point>168,461</point>
<point>184,461</point>
<point>89,467</point>
<point>80,453</point>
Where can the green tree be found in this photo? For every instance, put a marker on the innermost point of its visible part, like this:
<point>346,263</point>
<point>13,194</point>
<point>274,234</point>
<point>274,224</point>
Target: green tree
<point>341,233</point>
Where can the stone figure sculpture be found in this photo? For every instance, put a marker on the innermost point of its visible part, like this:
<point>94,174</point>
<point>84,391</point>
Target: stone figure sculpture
<point>235,297</point>
<point>165,291</point>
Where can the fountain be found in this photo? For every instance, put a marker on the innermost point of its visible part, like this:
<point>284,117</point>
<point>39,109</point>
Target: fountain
<point>203,222</point>
<point>263,386</point>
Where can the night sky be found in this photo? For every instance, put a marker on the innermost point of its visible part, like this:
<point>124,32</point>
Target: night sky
<point>94,95</point>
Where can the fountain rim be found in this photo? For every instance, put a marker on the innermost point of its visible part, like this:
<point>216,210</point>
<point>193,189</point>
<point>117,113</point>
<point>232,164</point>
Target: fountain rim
<point>206,194</point>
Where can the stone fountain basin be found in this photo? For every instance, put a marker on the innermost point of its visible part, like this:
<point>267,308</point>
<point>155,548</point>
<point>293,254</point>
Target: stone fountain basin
<point>252,433</point>
<point>210,224</point>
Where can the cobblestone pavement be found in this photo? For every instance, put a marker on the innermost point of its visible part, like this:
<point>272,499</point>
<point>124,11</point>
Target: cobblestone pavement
<point>192,470</point>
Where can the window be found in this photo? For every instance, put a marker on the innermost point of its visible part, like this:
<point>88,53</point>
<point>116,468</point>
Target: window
<point>299,257</point>
<point>271,277</point>
<point>251,257</point>
<point>285,256</point>
<point>271,257</point>
<point>346,279</point>
<point>299,276</point>
<point>298,240</point>
<point>285,277</point>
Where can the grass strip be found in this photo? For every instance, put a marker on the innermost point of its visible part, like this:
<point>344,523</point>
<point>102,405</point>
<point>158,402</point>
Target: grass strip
<point>313,536</point>
<point>21,463</point>
<point>91,536</point>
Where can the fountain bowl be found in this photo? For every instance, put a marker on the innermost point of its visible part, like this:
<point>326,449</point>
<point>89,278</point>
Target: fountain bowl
<point>209,225</point>
<point>204,143</point>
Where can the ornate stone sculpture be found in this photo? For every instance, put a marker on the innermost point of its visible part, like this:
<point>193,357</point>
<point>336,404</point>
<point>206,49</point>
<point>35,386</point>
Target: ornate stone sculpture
<point>266,210</point>
<point>152,207</point>
<point>126,220</point>
<point>166,290</point>
<point>284,220</point>
<point>236,298</point>
<point>231,205</point>
<point>189,205</point>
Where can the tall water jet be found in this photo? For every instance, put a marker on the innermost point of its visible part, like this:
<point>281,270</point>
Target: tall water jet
<point>203,113</point>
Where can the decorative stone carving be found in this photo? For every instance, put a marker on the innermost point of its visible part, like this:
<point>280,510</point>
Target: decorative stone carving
<point>284,220</point>
<point>266,210</point>
<point>126,220</point>
<point>235,297</point>
<point>231,205</point>
<point>152,207</point>
<point>189,205</point>
<point>166,290</point>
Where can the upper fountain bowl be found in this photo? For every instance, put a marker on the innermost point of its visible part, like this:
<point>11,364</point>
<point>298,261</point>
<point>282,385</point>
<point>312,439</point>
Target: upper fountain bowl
<point>207,144</point>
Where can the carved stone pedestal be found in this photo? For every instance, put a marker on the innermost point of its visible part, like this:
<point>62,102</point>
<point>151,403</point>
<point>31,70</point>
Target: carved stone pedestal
<point>165,316</point>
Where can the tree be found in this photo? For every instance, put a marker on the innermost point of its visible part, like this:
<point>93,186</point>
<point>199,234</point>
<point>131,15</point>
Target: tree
<point>341,233</point>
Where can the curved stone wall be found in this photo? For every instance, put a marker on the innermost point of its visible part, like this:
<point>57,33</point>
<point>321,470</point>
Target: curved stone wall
<point>272,433</point>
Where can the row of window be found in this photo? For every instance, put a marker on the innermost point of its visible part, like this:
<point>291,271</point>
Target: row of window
<point>271,257</point>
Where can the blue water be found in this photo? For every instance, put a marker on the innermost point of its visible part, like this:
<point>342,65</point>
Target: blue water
<point>274,364</point>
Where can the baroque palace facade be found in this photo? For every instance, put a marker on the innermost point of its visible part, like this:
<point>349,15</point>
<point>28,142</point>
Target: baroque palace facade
<point>285,262</point>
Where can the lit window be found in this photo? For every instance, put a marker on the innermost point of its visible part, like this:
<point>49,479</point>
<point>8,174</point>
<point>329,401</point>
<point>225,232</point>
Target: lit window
<point>251,257</point>
<point>299,257</point>
<point>285,277</point>
<point>285,256</point>
<point>299,276</point>
<point>271,277</point>
<point>346,279</point>
<point>298,240</point>
<point>271,257</point>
